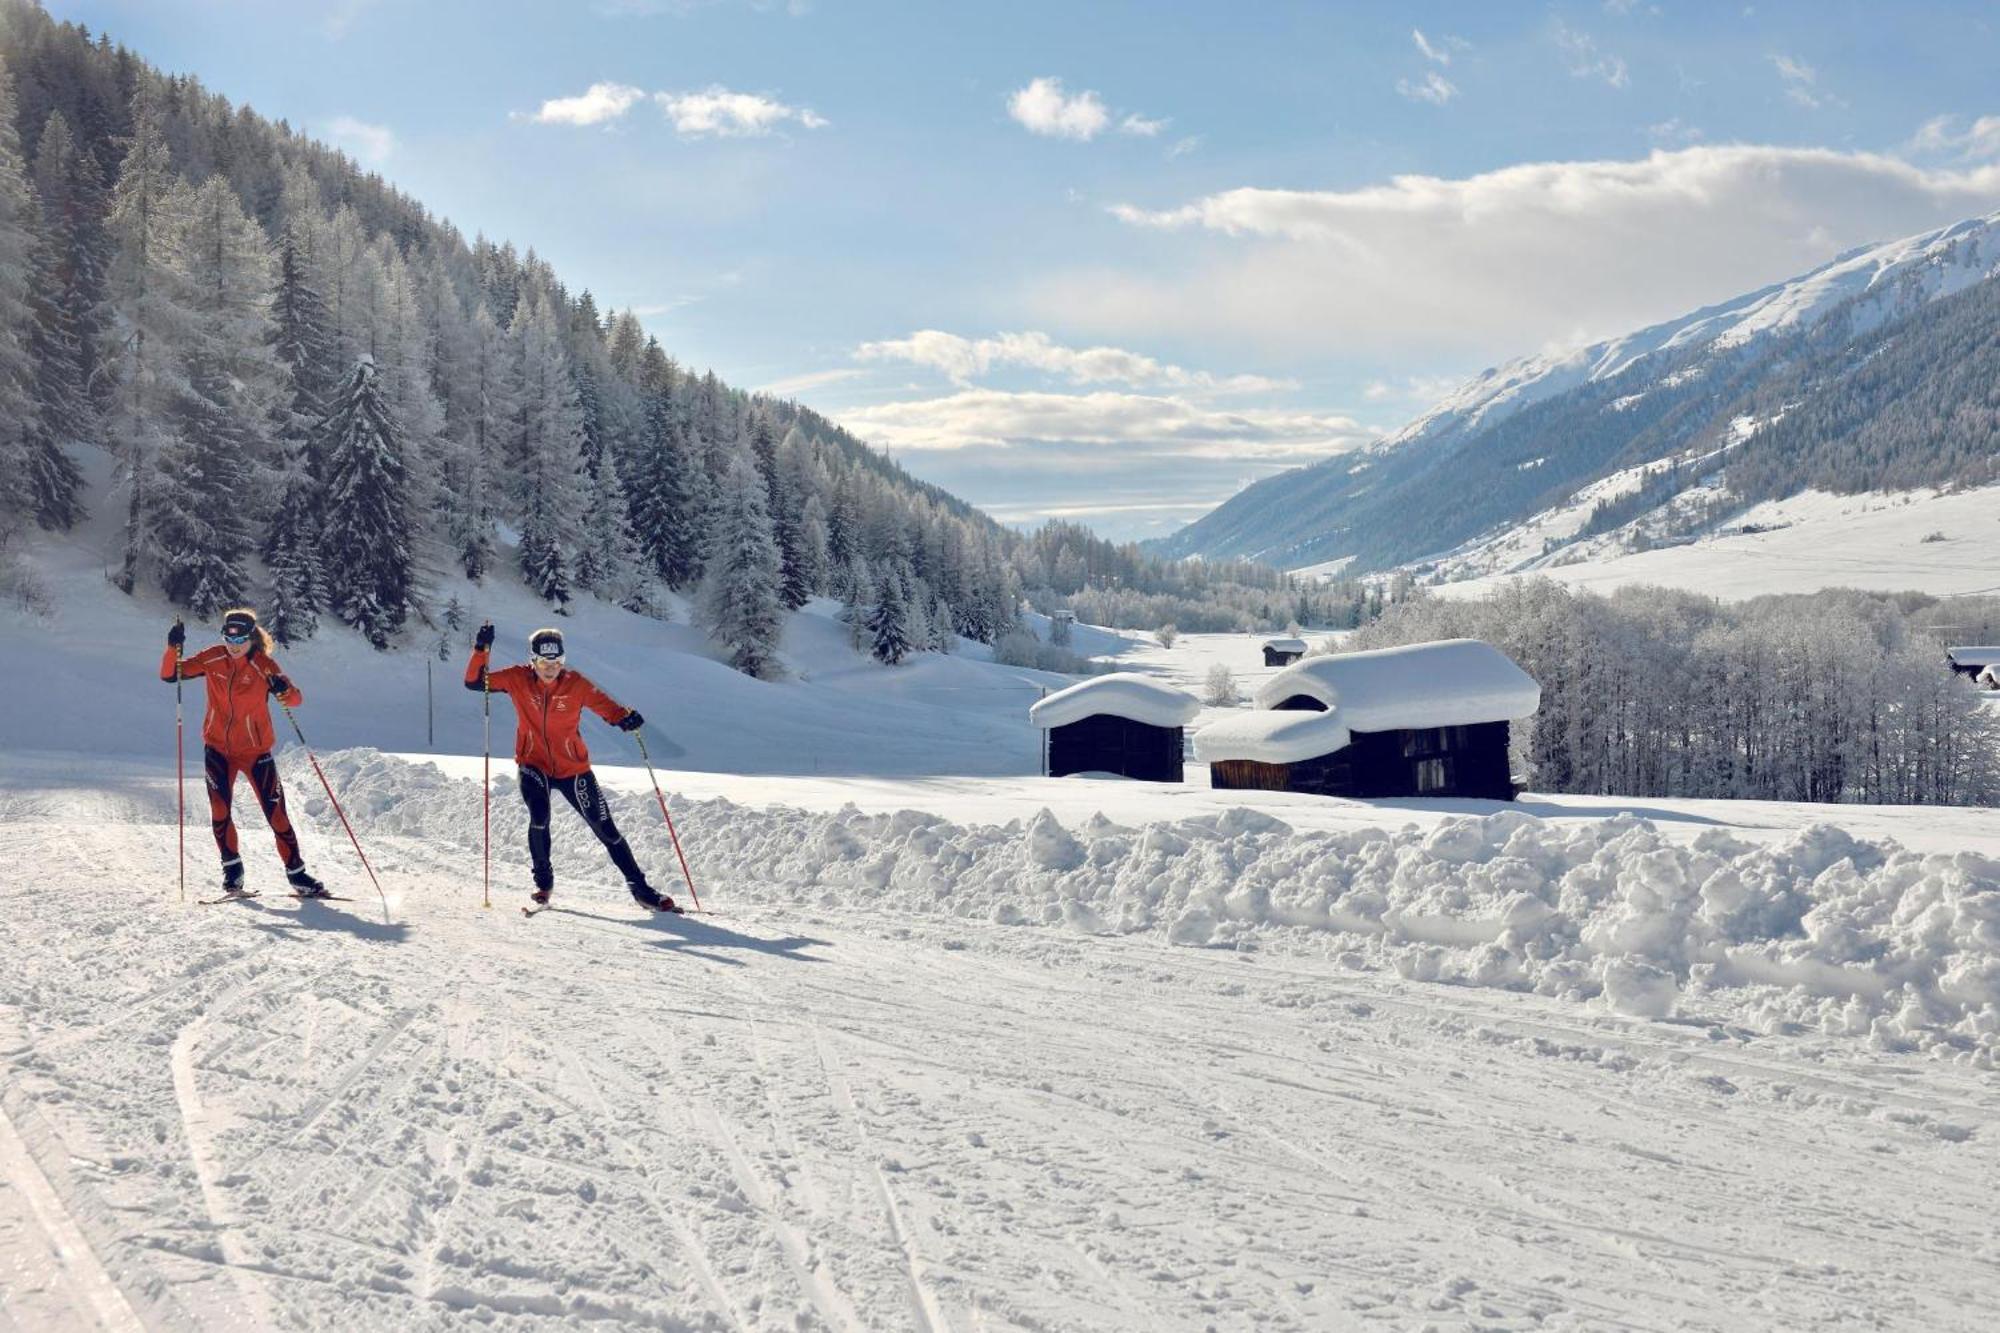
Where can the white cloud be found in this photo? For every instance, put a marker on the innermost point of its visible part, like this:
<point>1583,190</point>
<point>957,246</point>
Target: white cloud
<point>1424,389</point>
<point>1979,141</point>
<point>717,112</point>
<point>1585,60</point>
<point>1673,133</point>
<point>1044,108</point>
<point>963,360</point>
<point>812,379</point>
<point>1441,50</point>
<point>1183,146</point>
<point>1157,426</point>
<point>1801,82</point>
<point>1434,88</point>
<point>372,144</point>
<point>1141,126</point>
<point>1502,262</point>
<point>595,105</point>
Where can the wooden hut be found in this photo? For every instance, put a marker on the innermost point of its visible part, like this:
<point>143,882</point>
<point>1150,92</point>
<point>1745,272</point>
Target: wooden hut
<point>1428,719</point>
<point>1283,652</point>
<point>1122,723</point>
<point>1971,660</point>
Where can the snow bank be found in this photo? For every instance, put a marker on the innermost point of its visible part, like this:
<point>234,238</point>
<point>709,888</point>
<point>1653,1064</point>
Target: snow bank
<point>1455,682</point>
<point>1821,933</point>
<point>1270,737</point>
<point>1121,694</point>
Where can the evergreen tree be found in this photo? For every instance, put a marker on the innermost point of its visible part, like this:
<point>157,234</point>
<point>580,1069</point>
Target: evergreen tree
<point>302,341</point>
<point>489,409</point>
<point>66,285</point>
<point>738,601</point>
<point>19,412</point>
<point>663,496</point>
<point>368,528</point>
<point>195,505</point>
<point>811,568</point>
<point>546,440</point>
<point>890,636</point>
<point>291,553</point>
<point>146,293</point>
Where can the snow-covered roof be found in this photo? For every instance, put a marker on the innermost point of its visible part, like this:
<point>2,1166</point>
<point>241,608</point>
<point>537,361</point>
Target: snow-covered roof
<point>1271,737</point>
<point>1285,645</point>
<point>1452,683</point>
<point>1974,654</point>
<point>1121,694</point>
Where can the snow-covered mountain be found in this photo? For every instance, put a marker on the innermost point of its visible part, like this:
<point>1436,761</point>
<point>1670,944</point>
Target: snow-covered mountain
<point>1673,388</point>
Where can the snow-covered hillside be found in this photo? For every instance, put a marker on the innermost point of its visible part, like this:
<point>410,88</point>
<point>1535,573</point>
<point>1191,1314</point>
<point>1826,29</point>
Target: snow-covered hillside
<point>1939,543</point>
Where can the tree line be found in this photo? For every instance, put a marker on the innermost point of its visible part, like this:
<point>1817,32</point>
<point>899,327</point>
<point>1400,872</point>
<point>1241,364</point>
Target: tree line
<point>1836,696</point>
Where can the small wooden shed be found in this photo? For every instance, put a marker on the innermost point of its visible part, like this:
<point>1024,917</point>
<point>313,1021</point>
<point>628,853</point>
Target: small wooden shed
<point>1427,719</point>
<point>1283,652</point>
<point>1122,723</point>
<point>1972,659</point>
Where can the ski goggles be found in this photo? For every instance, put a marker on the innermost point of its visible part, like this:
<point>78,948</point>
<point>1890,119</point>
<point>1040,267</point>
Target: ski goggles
<point>549,650</point>
<point>238,633</point>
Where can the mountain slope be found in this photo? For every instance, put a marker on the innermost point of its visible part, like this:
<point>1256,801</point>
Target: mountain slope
<point>1524,437</point>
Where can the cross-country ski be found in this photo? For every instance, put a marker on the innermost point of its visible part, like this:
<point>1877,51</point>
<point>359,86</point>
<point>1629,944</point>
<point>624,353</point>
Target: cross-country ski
<point>1173,668</point>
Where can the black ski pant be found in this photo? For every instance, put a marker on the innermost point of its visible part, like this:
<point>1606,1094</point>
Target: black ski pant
<point>587,798</point>
<point>220,770</point>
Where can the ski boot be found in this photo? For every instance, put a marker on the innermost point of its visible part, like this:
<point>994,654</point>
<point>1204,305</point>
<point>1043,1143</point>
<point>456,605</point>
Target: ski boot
<point>232,879</point>
<point>304,885</point>
<point>540,897</point>
<point>647,896</point>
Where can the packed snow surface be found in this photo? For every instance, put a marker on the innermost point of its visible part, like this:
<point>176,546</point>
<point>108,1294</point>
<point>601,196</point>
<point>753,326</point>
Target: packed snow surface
<point>1123,694</point>
<point>1450,683</point>
<point>1270,737</point>
<point>1479,1071</point>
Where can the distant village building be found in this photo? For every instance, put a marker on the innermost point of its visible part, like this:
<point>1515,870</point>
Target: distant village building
<point>1283,652</point>
<point>1989,679</point>
<point>1427,719</point>
<point>1122,723</point>
<point>1973,659</point>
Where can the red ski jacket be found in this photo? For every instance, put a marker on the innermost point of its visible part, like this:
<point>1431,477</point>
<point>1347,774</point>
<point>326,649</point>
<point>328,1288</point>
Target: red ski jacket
<point>548,715</point>
<point>238,720</point>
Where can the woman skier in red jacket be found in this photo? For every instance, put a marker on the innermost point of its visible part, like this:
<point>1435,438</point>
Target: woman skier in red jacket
<point>236,738</point>
<point>549,700</point>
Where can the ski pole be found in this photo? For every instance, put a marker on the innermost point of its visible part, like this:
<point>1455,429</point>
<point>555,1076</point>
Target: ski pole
<point>180,769</point>
<point>291,718</point>
<point>640,736</point>
<point>486,786</point>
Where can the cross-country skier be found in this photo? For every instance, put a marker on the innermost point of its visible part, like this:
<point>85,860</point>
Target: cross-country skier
<point>549,700</point>
<point>236,738</point>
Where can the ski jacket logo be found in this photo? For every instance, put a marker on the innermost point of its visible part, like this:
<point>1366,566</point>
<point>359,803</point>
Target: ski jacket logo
<point>547,716</point>
<point>238,719</point>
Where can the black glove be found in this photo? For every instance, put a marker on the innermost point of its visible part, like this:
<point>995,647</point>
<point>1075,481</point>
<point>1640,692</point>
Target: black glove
<point>484,638</point>
<point>279,684</point>
<point>177,635</point>
<point>630,722</point>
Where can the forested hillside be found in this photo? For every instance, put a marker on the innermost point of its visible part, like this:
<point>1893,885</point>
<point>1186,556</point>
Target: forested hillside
<point>318,395</point>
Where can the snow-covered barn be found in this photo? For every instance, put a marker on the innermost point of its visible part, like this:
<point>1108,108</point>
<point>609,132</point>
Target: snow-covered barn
<point>1973,659</point>
<point>1122,723</point>
<point>1989,678</point>
<point>1283,652</point>
<point>1426,719</point>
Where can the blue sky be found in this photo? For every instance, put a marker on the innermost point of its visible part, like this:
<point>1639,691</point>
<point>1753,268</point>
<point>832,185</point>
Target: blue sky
<point>1114,261</point>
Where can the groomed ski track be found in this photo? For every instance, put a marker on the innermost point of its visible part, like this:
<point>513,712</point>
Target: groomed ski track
<point>300,1115</point>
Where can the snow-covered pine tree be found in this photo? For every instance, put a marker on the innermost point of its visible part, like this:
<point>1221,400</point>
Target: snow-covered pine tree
<point>662,493</point>
<point>65,285</point>
<point>609,562</point>
<point>195,507</point>
<point>890,639</point>
<point>813,560</point>
<point>546,439</point>
<point>941,623</point>
<point>18,409</point>
<point>368,527</point>
<point>291,553</point>
<point>146,290</point>
<point>739,602</point>
<point>854,584</point>
<point>302,341</point>
<point>489,410</point>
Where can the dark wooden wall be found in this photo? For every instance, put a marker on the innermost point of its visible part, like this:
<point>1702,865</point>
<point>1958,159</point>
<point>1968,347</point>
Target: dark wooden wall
<point>1116,745</point>
<point>1433,761</point>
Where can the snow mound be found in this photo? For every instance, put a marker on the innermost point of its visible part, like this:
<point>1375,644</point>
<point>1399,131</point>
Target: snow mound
<point>1123,694</point>
<point>1820,933</point>
<point>1451,683</point>
<point>1271,737</point>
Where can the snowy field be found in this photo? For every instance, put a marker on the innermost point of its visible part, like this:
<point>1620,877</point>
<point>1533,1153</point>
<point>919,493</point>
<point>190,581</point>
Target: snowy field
<point>1941,544</point>
<point>922,1073</point>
